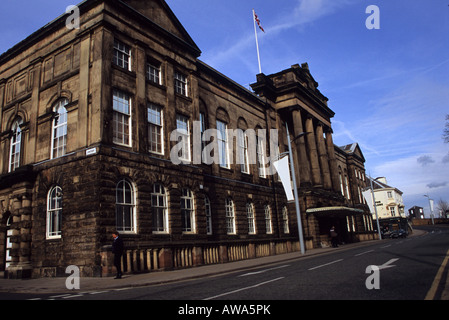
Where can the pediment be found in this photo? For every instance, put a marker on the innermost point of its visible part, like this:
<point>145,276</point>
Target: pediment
<point>160,13</point>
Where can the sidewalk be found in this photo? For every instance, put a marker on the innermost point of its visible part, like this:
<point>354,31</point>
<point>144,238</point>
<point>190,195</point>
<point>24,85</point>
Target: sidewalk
<point>57,285</point>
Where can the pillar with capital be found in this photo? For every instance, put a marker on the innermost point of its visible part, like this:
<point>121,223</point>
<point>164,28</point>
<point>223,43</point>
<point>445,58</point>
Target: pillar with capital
<point>324,159</point>
<point>314,160</point>
<point>301,160</point>
<point>332,161</point>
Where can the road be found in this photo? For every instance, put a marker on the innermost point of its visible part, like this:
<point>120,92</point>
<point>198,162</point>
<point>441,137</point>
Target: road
<point>406,271</point>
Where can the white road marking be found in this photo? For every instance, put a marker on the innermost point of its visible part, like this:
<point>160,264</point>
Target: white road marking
<point>243,289</point>
<point>326,264</point>
<point>262,271</point>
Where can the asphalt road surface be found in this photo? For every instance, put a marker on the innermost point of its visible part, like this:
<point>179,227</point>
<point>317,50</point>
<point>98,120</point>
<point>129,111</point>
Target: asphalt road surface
<point>397,269</point>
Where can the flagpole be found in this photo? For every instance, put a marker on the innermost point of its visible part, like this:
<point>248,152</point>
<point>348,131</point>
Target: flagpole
<point>257,41</point>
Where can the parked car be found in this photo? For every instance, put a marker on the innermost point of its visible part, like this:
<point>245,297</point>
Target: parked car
<point>401,233</point>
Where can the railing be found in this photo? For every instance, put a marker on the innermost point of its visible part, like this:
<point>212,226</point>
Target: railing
<point>177,257</point>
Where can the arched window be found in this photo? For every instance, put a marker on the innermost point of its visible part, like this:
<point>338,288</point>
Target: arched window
<point>54,213</point>
<point>187,211</point>
<point>16,143</point>
<point>268,224</point>
<point>125,207</point>
<point>159,209</point>
<point>59,130</point>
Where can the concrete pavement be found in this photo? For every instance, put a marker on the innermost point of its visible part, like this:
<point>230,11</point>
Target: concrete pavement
<point>58,285</point>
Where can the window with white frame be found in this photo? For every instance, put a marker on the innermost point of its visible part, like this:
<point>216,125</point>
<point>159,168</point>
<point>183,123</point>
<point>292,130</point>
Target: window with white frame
<point>122,55</point>
<point>16,144</point>
<point>261,157</point>
<point>59,130</point>
<point>243,151</point>
<point>203,129</point>
<point>251,218</point>
<point>207,208</point>
<point>230,216</point>
<point>155,129</point>
<point>125,207</point>
<point>393,211</point>
<point>182,126</point>
<point>181,84</point>
<point>54,213</point>
<point>121,118</point>
<point>348,193</point>
<point>187,211</point>
<point>268,224</point>
<point>159,209</point>
<point>223,154</point>
<point>154,72</point>
<point>285,220</point>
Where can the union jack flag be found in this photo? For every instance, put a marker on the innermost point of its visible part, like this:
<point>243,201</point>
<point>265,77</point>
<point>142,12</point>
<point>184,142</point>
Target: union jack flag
<point>258,21</point>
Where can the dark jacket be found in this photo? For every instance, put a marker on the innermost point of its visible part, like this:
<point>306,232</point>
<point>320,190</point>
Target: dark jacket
<point>117,246</point>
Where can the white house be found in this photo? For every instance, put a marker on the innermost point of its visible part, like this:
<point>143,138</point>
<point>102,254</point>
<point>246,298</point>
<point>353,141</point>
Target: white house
<point>388,199</point>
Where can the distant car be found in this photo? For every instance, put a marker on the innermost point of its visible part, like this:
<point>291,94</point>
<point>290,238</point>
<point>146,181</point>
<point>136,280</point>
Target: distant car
<point>401,233</point>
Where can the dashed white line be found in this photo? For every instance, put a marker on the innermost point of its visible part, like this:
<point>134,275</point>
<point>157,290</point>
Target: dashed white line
<point>360,254</point>
<point>326,264</point>
<point>243,289</point>
<point>262,271</point>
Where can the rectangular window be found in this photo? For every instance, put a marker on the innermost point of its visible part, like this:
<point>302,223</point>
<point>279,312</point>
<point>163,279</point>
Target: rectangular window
<point>154,72</point>
<point>202,130</point>
<point>122,55</point>
<point>393,211</point>
<point>208,210</point>
<point>268,224</point>
<point>251,219</point>
<point>121,118</point>
<point>243,151</point>
<point>187,211</point>
<point>155,129</point>
<point>180,84</point>
<point>222,144</point>
<point>182,126</point>
<point>261,157</point>
<point>230,217</point>
<point>159,209</point>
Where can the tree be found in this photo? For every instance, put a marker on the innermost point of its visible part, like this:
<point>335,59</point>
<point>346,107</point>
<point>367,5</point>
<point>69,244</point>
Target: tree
<point>442,207</point>
<point>446,130</point>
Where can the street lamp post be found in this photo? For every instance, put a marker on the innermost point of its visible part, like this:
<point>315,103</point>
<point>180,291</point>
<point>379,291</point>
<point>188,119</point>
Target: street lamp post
<point>375,208</point>
<point>430,206</point>
<point>295,189</point>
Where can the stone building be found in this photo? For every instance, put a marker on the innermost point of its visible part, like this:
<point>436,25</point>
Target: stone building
<point>87,118</point>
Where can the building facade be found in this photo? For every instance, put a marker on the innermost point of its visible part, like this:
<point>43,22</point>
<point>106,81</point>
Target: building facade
<point>416,212</point>
<point>103,128</point>
<point>389,202</point>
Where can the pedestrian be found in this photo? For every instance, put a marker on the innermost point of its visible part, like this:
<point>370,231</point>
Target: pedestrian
<point>334,237</point>
<point>117,250</point>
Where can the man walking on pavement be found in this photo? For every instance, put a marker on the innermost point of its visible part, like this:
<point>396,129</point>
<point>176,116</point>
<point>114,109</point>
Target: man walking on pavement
<point>117,250</point>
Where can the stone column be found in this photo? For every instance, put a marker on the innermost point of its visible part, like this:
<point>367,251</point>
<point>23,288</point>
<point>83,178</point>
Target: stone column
<point>324,159</point>
<point>300,158</point>
<point>314,161</point>
<point>20,267</point>
<point>332,161</point>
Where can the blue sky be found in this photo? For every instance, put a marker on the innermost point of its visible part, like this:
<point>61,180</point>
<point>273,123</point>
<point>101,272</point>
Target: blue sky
<point>388,87</point>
